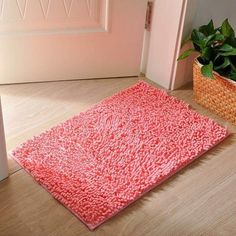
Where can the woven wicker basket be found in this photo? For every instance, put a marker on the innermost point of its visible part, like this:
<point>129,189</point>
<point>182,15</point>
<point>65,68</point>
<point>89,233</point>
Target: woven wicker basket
<point>218,95</point>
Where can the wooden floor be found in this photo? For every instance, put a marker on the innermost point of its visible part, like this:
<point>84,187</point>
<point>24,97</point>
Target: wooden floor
<point>199,200</point>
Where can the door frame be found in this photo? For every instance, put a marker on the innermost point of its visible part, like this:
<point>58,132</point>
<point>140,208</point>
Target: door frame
<point>165,41</point>
<point>3,153</point>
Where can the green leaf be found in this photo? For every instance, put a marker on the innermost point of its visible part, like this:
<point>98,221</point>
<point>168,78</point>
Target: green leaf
<point>206,54</point>
<point>215,41</point>
<point>223,65</point>
<point>232,75</point>
<point>231,40</point>
<point>226,29</point>
<point>226,48</point>
<point>185,54</point>
<point>208,39</point>
<point>217,57</point>
<point>196,47</point>
<point>207,29</point>
<point>207,70</point>
<point>198,38</point>
<point>219,37</point>
<point>233,67</point>
<point>230,53</point>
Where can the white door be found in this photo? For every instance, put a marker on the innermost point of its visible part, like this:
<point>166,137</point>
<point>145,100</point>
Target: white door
<point>46,40</point>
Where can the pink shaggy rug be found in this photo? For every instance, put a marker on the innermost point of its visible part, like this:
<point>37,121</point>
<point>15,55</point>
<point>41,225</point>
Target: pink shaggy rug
<point>100,161</point>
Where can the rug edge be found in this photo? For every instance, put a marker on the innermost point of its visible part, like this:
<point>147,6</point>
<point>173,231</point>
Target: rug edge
<point>93,227</point>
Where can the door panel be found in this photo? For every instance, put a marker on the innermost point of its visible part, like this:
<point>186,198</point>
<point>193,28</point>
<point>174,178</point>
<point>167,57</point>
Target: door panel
<point>46,40</point>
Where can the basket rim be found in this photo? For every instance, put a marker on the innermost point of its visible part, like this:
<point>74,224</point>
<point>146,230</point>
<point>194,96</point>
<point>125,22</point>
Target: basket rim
<point>196,61</point>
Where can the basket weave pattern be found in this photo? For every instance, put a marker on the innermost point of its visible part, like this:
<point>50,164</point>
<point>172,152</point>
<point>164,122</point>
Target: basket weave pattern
<point>218,95</point>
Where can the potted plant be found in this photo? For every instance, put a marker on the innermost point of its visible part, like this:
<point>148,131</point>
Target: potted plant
<point>214,70</point>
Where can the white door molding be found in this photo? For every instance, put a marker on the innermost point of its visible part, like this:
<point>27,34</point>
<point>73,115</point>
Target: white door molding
<point>51,17</point>
<point>165,41</point>
<point>3,153</point>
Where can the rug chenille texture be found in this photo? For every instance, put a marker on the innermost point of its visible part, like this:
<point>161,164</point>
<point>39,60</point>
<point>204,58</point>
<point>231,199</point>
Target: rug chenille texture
<point>101,160</point>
